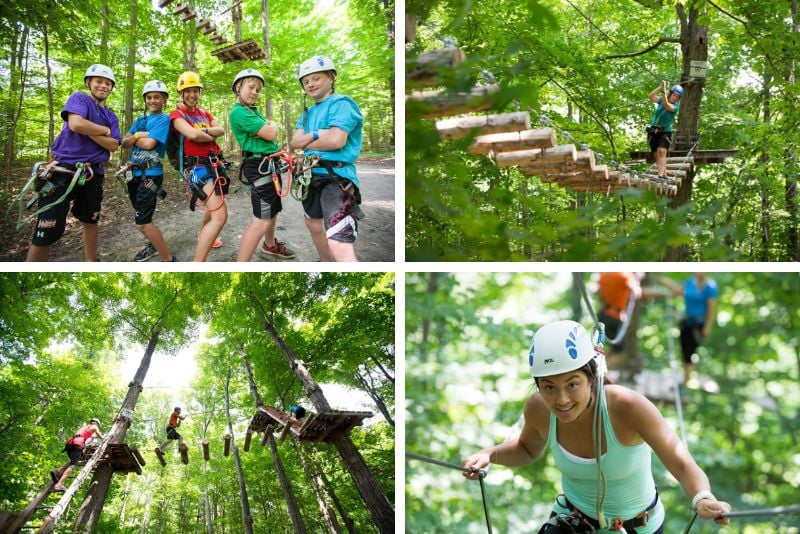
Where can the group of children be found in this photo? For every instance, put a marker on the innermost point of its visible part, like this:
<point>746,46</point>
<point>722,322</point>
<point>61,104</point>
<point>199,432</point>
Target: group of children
<point>329,132</point>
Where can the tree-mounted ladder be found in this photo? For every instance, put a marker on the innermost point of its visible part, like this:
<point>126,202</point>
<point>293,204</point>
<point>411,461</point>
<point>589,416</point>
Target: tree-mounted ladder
<point>508,137</point>
<point>121,457</point>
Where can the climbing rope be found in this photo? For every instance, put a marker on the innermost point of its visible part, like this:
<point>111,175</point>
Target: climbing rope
<point>481,476</point>
<point>623,329</point>
<point>673,364</point>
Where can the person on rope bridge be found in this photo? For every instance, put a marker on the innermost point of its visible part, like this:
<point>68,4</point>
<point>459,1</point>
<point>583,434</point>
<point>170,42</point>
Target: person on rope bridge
<point>330,130</point>
<point>175,419</point>
<point>659,132</point>
<point>203,161</point>
<point>74,449</point>
<point>256,135</point>
<point>90,134</point>
<point>580,419</point>
<point>144,173</point>
<point>618,294</point>
<point>700,304</point>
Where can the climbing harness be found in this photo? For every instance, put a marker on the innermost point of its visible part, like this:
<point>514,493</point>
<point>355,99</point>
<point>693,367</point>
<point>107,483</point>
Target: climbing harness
<point>302,177</point>
<point>481,476</point>
<point>40,182</point>
<point>197,176</point>
<point>278,164</point>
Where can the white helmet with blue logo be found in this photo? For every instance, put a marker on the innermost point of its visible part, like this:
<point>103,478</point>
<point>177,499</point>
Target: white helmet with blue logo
<point>315,64</point>
<point>101,71</point>
<point>560,347</point>
<point>155,86</point>
<point>246,73</point>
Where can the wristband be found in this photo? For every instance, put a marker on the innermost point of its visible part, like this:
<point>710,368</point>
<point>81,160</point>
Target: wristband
<point>205,131</point>
<point>136,137</point>
<point>705,494</point>
<point>315,135</point>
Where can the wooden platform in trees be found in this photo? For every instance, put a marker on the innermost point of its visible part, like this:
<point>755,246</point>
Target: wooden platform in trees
<point>121,457</point>
<point>701,157</point>
<point>325,426</point>
<point>244,50</point>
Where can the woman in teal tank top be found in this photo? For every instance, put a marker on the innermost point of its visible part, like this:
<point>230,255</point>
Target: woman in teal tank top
<point>580,419</point>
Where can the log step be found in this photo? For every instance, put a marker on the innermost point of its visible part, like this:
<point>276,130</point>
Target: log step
<point>530,157</point>
<point>424,70</point>
<point>433,104</point>
<point>483,124</point>
<point>514,141</point>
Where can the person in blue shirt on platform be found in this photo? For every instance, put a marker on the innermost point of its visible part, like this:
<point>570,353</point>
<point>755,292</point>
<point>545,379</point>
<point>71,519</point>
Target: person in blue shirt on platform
<point>148,137</point>
<point>700,299</point>
<point>330,130</point>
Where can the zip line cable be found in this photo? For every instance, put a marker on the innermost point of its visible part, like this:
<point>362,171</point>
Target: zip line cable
<point>481,476</point>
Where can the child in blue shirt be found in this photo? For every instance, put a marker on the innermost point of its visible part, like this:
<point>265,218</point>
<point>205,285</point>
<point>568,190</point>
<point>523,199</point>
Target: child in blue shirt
<point>148,137</point>
<point>330,130</point>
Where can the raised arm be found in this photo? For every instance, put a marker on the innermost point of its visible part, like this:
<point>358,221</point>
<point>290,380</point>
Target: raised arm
<point>654,430</point>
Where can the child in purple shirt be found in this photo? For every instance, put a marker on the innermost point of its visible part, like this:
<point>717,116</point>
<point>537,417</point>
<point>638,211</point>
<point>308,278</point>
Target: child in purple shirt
<point>90,133</point>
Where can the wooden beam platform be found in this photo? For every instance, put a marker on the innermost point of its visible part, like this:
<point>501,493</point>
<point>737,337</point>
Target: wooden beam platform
<point>424,70</point>
<point>514,141</point>
<point>325,426</point>
<point>248,50</point>
<point>118,455</point>
<point>700,157</point>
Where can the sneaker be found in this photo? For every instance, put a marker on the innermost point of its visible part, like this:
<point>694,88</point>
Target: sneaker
<point>278,249</point>
<point>217,243</point>
<point>146,253</point>
<point>59,487</point>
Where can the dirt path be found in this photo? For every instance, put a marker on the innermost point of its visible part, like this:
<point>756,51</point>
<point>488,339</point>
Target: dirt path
<point>119,240</point>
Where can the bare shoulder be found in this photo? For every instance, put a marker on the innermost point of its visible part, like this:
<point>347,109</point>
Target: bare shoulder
<point>537,415</point>
<point>629,405</point>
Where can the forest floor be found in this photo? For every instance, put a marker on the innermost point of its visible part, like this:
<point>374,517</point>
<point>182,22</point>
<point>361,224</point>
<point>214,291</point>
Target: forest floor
<point>119,239</point>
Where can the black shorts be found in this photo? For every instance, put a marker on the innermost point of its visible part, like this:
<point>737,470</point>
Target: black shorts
<point>691,336</point>
<point>264,199</point>
<point>172,433</point>
<point>327,200</point>
<point>85,200</point>
<point>74,452</point>
<point>659,140</point>
<point>142,198</point>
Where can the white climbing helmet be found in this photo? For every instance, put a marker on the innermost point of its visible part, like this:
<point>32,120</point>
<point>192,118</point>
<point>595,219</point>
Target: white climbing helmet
<point>100,70</point>
<point>155,86</point>
<point>246,73</point>
<point>95,420</point>
<point>560,347</point>
<point>315,64</point>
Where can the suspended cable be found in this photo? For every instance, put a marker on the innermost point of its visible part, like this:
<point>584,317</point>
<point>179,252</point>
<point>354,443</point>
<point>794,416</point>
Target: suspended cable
<point>673,364</point>
<point>481,476</point>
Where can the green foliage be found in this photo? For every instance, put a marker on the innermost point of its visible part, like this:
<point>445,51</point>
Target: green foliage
<point>556,62</point>
<point>467,337</point>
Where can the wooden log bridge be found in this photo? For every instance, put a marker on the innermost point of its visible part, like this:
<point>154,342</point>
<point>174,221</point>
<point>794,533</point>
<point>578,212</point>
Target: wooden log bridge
<point>461,127</point>
<point>513,141</point>
<point>425,69</point>
<point>206,455</point>
<point>440,103</point>
<point>184,450</point>
<point>325,426</point>
<point>160,455</point>
<point>227,450</point>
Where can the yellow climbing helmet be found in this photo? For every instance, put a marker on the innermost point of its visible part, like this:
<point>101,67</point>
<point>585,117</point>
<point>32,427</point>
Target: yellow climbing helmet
<point>188,79</point>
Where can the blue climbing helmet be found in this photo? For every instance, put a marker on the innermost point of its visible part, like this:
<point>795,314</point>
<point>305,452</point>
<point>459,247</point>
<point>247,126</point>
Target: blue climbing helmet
<point>677,89</point>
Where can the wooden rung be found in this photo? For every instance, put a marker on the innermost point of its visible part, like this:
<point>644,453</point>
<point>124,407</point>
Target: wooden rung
<point>514,141</point>
<point>202,23</point>
<point>432,104</point>
<point>247,439</point>
<point>209,29</point>
<point>483,125</point>
<point>528,157</point>
<point>189,16</point>
<point>164,3</point>
<point>160,455</point>
<point>424,70</point>
<point>138,456</point>
<point>180,8</point>
<point>227,450</point>
<point>206,455</point>
<point>184,450</point>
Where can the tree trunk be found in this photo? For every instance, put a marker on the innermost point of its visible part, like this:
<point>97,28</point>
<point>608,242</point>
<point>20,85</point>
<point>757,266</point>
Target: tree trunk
<point>209,526</point>
<point>247,517</point>
<point>92,504</point>
<point>327,513</point>
<point>367,386</point>
<point>348,521</point>
<point>50,108</point>
<point>104,31</point>
<point>267,54</point>
<point>694,45</point>
<point>371,492</point>
<point>11,131</point>
<point>765,160</point>
<point>131,65</point>
<point>146,518</point>
<point>790,160</point>
<point>288,493</point>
